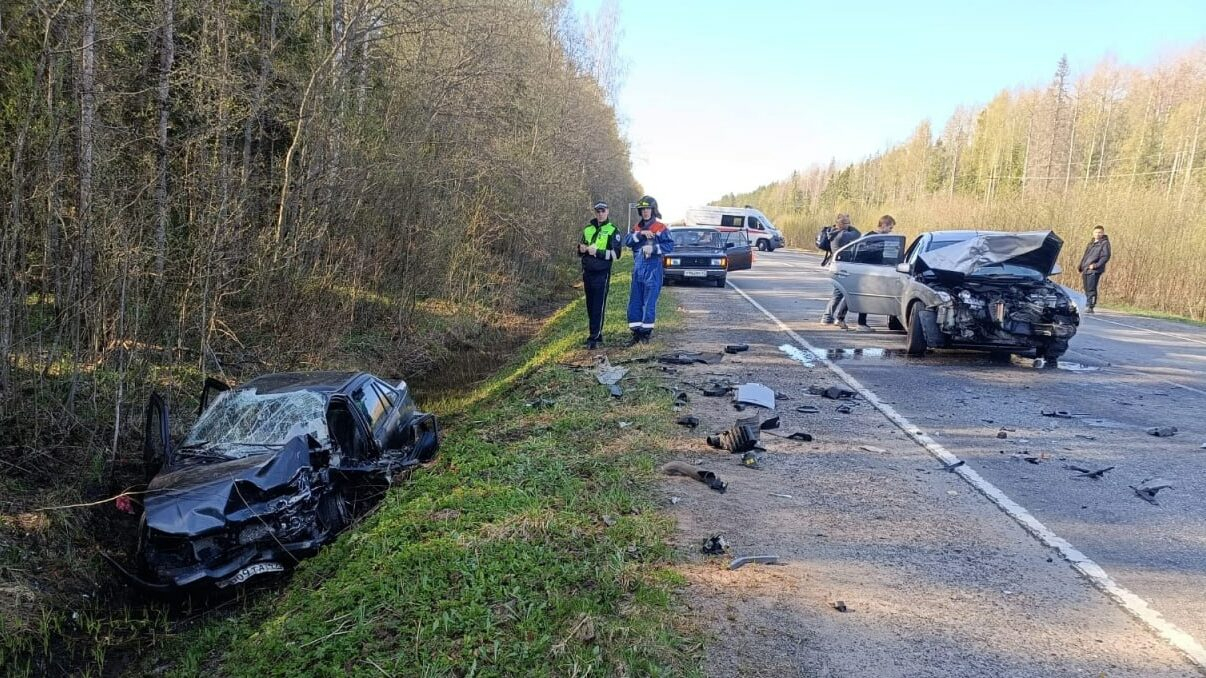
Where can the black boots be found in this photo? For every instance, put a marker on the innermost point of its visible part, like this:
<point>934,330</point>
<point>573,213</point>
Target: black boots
<point>640,336</point>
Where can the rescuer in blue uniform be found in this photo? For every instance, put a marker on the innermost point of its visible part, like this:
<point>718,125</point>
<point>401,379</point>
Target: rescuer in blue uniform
<point>600,245</point>
<point>649,240</point>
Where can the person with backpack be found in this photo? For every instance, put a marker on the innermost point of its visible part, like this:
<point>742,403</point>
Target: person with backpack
<point>649,240</point>
<point>843,234</point>
<point>599,246</point>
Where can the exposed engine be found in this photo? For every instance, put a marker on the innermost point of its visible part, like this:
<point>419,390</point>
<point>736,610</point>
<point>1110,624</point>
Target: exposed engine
<point>1009,314</point>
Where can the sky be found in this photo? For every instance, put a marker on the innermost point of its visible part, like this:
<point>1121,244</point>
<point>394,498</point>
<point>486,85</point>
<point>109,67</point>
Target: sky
<point>723,97</point>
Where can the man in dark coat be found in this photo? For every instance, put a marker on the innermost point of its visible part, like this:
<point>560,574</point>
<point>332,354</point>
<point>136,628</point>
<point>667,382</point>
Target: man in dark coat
<point>843,234</point>
<point>1093,264</point>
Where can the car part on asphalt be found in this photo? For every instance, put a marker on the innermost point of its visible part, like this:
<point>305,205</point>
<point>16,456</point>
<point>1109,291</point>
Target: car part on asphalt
<point>715,390</point>
<point>750,460</point>
<point>682,468</point>
<point>769,424</point>
<point>808,409</point>
<point>615,390</point>
<point>740,438</point>
<point>1095,475</point>
<point>690,358</point>
<point>800,436</point>
<point>1058,414</point>
<point>780,495</point>
<point>950,468</point>
<point>839,605</point>
<point>736,348</point>
<point>738,563</point>
<point>755,394</point>
<point>844,409</point>
<point>715,545</point>
<point>832,392</point>
<point>1002,434</point>
<point>1162,431</point>
<point>873,449</point>
<point>1148,489</point>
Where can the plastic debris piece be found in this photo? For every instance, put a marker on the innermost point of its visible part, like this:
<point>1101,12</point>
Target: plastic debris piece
<point>1095,475</point>
<point>808,409</point>
<point>715,390</point>
<point>682,468</point>
<point>606,373</point>
<point>769,424</point>
<point>688,421</point>
<point>1059,414</point>
<point>690,358</point>
<point>740,438</point>
<point>839,605</point>
<point>737,563</point>
<point>615,390</point>
<point>1148,488</point>
<point>781,496</point>
<point>736,348</point>
<point>832,392</point>
<point>1002,434</point>
<point>1162,431</point>
<point>750,460</point>
<point>715,545</point>
<point>950,468</point>
<point>781,396</point>
<point>625,424</point>
<point>844,409</point>
<point>872,449</point>
<point>801,436</point>
<point>756,394</point>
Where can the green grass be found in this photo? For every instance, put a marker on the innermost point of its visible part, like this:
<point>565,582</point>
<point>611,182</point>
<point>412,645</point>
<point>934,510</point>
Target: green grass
<point>496,560</point>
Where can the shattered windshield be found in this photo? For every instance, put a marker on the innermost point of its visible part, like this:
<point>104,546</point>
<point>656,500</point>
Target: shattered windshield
<point>245,418</point>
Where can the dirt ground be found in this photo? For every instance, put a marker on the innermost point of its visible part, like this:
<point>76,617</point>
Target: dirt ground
<point>936,581</point>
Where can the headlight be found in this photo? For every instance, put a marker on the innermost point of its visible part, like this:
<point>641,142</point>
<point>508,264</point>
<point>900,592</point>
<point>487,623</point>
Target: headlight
<point>720,262</point>
<point>943,297</point>
<point>673,262</point>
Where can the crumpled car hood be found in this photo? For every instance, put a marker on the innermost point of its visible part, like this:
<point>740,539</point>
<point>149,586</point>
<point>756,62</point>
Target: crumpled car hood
<point>1037,250</point>
<point>196,498</point>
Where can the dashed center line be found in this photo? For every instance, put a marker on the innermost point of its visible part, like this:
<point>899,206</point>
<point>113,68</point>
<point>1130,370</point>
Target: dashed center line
<point>1132,603</point>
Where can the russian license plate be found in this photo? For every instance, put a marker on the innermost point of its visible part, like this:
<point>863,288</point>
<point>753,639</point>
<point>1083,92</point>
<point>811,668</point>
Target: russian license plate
<point>249,572</point>
<point>695,274</point>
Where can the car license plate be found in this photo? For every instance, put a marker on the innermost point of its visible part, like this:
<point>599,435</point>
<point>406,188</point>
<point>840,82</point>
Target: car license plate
<point>249,572</point>
<point>695,274</point>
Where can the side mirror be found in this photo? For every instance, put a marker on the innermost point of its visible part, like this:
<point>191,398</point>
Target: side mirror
<point>903,267</point>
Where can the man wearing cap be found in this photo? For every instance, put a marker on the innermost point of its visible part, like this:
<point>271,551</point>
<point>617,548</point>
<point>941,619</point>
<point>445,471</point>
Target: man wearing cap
<point>649,240</point>
<point>600,245</point>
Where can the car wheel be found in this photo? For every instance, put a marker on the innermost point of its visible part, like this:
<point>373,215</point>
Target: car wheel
<point>894,324</point>
<point>720,282</point>
<point>333,512</point>
<point>762,245</point>
<point>1002,357</point>
<point>915,339</point>
<point>1052,351</point>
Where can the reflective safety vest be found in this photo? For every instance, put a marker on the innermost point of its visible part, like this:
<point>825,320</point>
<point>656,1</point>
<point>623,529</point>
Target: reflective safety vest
<point>599,236</point>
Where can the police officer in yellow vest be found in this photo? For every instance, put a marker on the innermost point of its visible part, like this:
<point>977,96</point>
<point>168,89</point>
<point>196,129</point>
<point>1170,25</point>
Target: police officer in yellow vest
<point>600,245</point>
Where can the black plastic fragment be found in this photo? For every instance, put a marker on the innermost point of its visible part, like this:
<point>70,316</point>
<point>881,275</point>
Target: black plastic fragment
<point>736,348</point>
<point>769,424</point>
<point>801,436</point>
<point>688,421</point>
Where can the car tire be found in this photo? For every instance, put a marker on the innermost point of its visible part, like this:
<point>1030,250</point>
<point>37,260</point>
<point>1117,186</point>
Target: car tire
<point>1053,351</point>
<point>334,512</point>
<point>720,282</point>
<point>915,338</point>
<point>762,245</point>
<point>1002,357</point>
<point>895,325</point>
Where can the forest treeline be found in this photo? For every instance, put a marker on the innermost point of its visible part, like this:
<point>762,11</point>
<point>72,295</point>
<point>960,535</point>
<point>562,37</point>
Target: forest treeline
<point>239,186</point>
<point>233,179</point>
<point>1119,146</point>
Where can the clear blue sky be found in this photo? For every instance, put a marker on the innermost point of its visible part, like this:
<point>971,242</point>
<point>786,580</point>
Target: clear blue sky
<point>725,96</point>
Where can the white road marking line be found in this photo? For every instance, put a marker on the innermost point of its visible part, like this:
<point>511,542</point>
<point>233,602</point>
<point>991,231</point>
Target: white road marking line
<point>1136,606</point>
<point>1144,329</point>
<point>1187,388</point>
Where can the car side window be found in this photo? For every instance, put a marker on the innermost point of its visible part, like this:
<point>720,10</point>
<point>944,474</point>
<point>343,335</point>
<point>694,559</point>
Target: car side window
<point>911,253</point>
<point>878,252</point>
<point>387,393</point>
<point>371,404</point>
<point>849,253</point>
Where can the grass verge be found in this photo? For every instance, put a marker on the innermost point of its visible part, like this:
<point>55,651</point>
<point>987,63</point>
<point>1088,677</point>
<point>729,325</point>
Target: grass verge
<point>531,547</point>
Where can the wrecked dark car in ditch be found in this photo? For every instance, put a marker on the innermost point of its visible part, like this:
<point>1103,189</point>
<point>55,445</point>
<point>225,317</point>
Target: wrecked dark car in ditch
<point>985,290</point>
<point>271,471</point>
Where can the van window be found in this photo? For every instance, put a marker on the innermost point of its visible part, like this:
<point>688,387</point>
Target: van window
<point>731,220</point>
<point>755,224</point>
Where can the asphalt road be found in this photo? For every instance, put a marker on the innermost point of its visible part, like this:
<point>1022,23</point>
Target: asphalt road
<point>1122,375</point>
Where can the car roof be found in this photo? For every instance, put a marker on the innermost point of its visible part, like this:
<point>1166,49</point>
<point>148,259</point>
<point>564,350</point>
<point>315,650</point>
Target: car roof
<point>705,227</point>
<point>288,382</point>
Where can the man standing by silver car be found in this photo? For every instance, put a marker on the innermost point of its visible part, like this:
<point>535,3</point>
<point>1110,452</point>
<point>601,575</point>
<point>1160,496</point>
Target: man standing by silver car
<point>843,234</point>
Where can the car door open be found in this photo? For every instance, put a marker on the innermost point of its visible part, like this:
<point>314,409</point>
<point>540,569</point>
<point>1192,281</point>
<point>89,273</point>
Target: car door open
<point>866,271</point>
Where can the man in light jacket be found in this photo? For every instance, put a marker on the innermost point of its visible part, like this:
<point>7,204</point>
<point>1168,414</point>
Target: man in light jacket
<point>1093,264</point>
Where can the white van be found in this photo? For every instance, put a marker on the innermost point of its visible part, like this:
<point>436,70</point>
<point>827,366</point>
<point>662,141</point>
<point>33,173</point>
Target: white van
<point>760,230</point>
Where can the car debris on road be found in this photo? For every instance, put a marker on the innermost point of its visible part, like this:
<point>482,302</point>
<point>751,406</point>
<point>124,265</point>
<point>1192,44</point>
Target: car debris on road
<point>742,437</point>
<point>738,563</point>
<point>715,545</point>
<point>1087,473</point>
<point>736,348</point>
<point>688,421</point>
<point>832,392</point>
<point>755,394</point>
<point>1148,489</point>
<point>1162,431</point>
<point>682,468</point>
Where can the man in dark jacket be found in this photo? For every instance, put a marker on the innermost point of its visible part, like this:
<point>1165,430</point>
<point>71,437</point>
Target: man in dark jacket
<point>843,234</point>
<point>1093,264</point>
<point>600,245</point>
